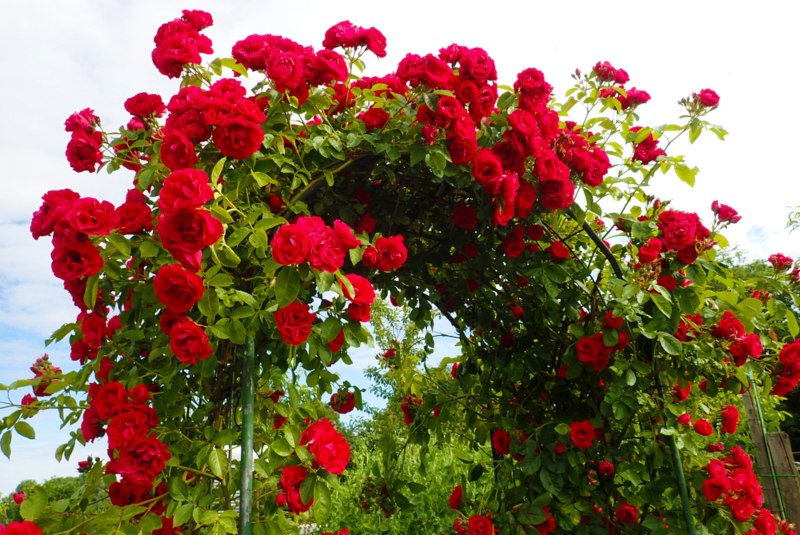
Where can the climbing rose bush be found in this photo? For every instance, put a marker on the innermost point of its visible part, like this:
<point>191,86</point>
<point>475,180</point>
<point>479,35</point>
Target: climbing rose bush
<point>278,192</point>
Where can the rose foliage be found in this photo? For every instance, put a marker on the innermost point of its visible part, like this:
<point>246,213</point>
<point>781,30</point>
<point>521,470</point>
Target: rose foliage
<point>278,191</point>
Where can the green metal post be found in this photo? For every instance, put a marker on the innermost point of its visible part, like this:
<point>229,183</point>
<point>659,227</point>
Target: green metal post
<point>677,465</point>
<point>246,494</point>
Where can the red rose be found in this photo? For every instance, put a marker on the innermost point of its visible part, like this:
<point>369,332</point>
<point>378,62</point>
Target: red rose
<point>725,213</point>
<point>291,478</point>
<point>480,525</point>
<point>90,216</point>
<point>25,527</point>
<point>177,288</point>
<point>742,508</point>
<point>188,232</point>
<point>487,169</point>
<point>75,260</point>
<point>715,487</point>
<point>363,292</point>
<point>558,252</point>
<point>374,118</point>
<point>582,434</point>
<point>627,513</point>
<point>729,327</point>
<point>238,137</point>
<point>84,120</point>
<point>329,448</point>
<point>141,460</point>
<point>605,468</point>
<point>592,352</point>
<point>134,422</point>
<point>290,245</point>
<point>501,442</point>
<point>294,323</point>
<point>703,427</point>
<point>133,218</point>
<point>454,501</point>
<point>343,404</point>
<point>549,524</point>
<point>325,252</point>
<point>19,497</point>
<point>464,217</point>
<point>387,253</point>
<point>730,419</point>
<point>83,151</point>
<point>145,104</point>
<point>347,239</point>
<point>177,150</point>
<point>56,204</point>
<point>707,97</point>
<point>185,189</point>
<point>336,344</point>
<point>556,193</point>
<point>189,342</point>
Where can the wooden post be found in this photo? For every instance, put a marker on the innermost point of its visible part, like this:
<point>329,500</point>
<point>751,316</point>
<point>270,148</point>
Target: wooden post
<point>788,477</point>
<point>762,468</point>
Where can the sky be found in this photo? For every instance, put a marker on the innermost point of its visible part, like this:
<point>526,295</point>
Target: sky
<point>61,57</point>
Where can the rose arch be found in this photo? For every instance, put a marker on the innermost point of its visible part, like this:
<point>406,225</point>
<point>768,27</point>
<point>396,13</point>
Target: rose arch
<point>278,192</point>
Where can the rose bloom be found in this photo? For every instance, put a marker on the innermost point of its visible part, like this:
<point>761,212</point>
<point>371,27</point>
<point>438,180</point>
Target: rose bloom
<point>90,216</point>
<point>605,468</point>
<point>464,217</point>
<point>501,442</point>
<point>25,527</point>
<point>362,294</point>
<point>387,254</point>
<point>707,97</point>
<point>290,245</point>
<point>294,322</point>
<point>177,288</point>
<point>185,189</point>
<point>480,525</point>
<point>144,104</point>
<point>725,213</point>
<point>730,419</point>
<point>329,448</point>
<point>83,151</point>
<point>184,234</point>
<point>177,150</point>
<point>56,203</point>
<point>703,427</point>
<point>582,434</point>
<point>374,118</point>
<point>135,421</point>
<point>627,513</point>
<point>238,137</point>
<point>454,501</point>
<point>189,342</point>
<point>558,252</point>
<point>685,419</point>
<point>343,404</point>
<point>140,460</point>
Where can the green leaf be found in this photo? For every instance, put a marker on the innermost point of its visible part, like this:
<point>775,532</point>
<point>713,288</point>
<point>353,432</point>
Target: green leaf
<point>25,430</point>
<point>5,444</point>
<point>307,488</point>
<point>263,180</point>
<point>178,489</point>
<point>791,324</point>
<point>183,514</point>
<point>281,447</point>
<point>226,255</point>
<point>217,170</point>
<point>287,286</point>
<point>662,303</point>
<point>686,174</point>
<point>90,293</point>
<point>221,213</point>
<point>218,463</point>
<point>121,243</point>
<point>670,344</point>
<point>32,507</point>
<point>322,502</point>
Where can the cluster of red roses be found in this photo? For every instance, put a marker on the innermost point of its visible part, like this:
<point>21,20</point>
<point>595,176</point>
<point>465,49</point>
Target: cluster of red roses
<point>73,220</point>
<point>787,371</point>
<point>647,149</point>
<point>179,42</point>
<point>330,451</point>
<point>83,149</point>
<point>739,343</point>
<point>729,417</point>
<point>628,98</point>
<point>137,456</point>
<point>476,525</point>
<point>781,262</point>
<point>732,480</point>
<point>594,352</point>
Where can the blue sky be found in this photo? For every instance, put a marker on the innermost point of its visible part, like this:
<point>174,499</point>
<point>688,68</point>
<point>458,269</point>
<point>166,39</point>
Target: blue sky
<point>64,56</point>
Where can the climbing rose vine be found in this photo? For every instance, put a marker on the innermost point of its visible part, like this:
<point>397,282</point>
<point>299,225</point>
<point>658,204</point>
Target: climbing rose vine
<point>278,192</point>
